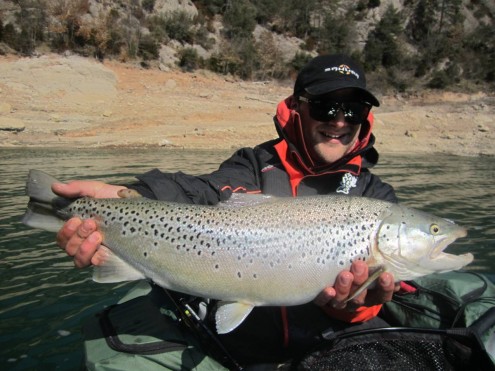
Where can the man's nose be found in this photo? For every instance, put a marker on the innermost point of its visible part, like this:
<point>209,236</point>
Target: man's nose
<point>339,120</point>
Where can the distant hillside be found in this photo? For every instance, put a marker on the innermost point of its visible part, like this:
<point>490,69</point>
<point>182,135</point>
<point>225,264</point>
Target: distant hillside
<point>404,44</point>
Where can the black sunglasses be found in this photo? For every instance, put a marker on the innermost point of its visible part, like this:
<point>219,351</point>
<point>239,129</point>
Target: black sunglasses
<point>355,113</point>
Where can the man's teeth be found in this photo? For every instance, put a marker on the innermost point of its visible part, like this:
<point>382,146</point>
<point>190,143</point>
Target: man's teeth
<point>332,136</point>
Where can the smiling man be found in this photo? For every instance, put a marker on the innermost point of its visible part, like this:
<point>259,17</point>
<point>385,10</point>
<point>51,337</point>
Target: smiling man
<point>325,146</point>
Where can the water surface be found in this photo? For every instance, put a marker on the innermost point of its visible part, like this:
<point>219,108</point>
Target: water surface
<point>44,300</point>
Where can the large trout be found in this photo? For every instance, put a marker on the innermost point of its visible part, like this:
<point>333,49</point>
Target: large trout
<point>252,250</point>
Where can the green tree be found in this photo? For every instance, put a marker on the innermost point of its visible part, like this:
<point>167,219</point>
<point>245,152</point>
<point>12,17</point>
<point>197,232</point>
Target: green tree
<point>382,46</point>
<point>211,7</point>
<point>298,16</point>
<point>148,48</point>
<point>270,61</point>
<point>437,29</point>
<point>239,19</point>
<point>267,10</point>
<point>336,34</point>
<point>479,46</point>
<point>67,19</point>
<point>148,5</point>
<point>189,59</point>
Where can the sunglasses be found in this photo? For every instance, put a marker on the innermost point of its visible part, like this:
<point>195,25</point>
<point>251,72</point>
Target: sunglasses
<point>355,113</point>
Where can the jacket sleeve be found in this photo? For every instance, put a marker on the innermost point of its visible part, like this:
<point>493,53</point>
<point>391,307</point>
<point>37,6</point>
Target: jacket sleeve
<point>239,173</point>
<point>375,188</point>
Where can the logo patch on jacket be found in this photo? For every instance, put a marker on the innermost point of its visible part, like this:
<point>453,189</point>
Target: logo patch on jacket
<point>348,181</point>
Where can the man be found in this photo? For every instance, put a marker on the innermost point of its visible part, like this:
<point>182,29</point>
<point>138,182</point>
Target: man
<point>325,146</point>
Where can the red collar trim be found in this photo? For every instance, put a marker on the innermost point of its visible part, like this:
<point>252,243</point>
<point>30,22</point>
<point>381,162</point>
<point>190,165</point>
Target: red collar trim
<point>295,175</point>
<point>298,173</point>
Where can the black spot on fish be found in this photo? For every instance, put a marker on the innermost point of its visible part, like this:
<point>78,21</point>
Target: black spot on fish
<point>145,254</point>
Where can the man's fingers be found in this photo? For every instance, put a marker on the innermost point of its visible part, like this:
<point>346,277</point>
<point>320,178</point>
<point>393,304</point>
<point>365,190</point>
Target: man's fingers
<point>87,250</point>
<point>343,286</point>
<point>86,227</point>
<point>384,290</point>
<point>325,296</point>
<point>69,190</point>
<point>359,270</point>
<point>67,232</point>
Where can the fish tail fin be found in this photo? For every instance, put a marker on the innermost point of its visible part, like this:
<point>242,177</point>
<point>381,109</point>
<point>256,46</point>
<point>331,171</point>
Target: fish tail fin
<point>43,203</point>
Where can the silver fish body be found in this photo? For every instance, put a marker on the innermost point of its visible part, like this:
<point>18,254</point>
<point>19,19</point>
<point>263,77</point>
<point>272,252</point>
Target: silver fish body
<point>265,251</point>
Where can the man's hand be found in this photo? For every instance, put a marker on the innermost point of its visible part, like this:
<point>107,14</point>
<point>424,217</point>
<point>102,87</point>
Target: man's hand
<point>348,282</point>
<point>80,238</point>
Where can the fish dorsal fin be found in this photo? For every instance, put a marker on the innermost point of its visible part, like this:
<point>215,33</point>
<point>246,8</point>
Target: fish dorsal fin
<point>247,199</point>
<point>229,315</point>
<point>110,268</point>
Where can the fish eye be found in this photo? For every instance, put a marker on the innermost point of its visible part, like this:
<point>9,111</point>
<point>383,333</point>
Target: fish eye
<point>434,229</point>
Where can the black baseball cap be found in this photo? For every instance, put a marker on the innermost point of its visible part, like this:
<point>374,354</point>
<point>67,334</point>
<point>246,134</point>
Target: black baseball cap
<point>327,73</point>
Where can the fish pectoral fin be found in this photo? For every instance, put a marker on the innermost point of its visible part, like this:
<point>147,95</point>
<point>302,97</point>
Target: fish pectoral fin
<point>110,268</point>
<point>366,283</point>
<point>229,315</point>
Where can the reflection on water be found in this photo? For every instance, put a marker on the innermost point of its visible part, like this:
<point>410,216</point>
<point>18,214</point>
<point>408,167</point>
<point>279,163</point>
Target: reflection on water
<point>44,300</point>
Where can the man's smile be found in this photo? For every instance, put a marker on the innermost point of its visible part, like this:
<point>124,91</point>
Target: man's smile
<point>330,135</point>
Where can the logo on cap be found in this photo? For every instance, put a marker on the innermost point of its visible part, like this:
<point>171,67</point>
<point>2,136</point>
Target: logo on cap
<point>343,69</point>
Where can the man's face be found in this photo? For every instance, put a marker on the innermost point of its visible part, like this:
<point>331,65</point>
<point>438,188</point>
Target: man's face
<point>329,140</point>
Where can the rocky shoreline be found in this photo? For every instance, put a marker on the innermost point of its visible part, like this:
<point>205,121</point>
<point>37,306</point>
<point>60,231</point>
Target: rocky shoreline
<point>73,102</point>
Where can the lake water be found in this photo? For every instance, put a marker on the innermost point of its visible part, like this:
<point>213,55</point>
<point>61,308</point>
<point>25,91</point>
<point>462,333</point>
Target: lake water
<point>44,300</point>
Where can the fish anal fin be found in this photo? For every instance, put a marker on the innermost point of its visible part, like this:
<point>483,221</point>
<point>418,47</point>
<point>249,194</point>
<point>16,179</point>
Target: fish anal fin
<point>109,268</point>
<point>372,278</point>
<point>229,315</point>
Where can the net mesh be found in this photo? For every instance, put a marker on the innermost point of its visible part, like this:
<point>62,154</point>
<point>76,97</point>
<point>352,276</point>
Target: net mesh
<point>383,354</point>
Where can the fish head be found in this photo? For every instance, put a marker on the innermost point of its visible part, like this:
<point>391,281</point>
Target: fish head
<point>411,243</point>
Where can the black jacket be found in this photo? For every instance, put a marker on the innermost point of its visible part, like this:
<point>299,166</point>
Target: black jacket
<point>255,170</point>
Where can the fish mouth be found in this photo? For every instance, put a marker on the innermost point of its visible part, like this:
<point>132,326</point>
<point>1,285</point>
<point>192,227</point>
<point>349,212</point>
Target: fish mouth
<point>442,245</point>
<point>443,261</point>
